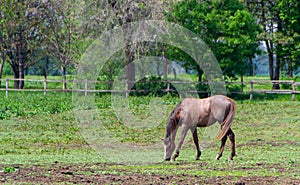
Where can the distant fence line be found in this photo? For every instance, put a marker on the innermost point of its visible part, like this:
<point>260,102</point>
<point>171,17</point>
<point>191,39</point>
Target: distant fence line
<point>293,91</point>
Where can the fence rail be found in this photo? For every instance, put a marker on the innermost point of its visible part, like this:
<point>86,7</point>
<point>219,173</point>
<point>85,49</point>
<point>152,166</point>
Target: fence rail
<point>85,87</point>
<point>291,91</point>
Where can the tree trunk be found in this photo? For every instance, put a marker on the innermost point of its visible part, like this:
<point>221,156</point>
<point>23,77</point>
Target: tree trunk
<point>165,72</point>
<point>21,73</point>
<point>290,69</point>
<point>16,76</point>
<point>63,73</point>
<point>174,72</point>
<point>21,56</point>
<point>130,67</point>
<point>45,68</point>
<point>200,74</point>
<point>1,53</point>
<point>252,69</point>
<point>242,82</point>
<point>278,55</point>
<point>269,46</point>
<point>1,68</point>
<point>277,73</point>
<point>130,74</point>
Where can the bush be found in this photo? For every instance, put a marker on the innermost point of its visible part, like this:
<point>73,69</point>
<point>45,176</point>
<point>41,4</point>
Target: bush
<point>153,86</point>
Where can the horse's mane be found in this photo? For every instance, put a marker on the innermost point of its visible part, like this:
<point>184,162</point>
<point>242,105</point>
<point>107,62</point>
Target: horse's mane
<point>173,120</point>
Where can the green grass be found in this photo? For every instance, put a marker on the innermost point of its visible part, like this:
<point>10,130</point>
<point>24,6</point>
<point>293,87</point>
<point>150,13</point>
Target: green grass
<point>26,104</point>
<point>267,137</point>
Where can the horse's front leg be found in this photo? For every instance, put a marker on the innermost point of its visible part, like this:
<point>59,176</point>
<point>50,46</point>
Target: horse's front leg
<point>184,130</point>
<point>196,141</point>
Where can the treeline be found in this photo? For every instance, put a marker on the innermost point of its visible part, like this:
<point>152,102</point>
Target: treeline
<point>50,34</point>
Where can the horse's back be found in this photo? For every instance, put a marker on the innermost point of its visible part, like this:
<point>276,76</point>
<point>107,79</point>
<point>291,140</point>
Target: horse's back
<point>206,111</point>
<point>196,112</point>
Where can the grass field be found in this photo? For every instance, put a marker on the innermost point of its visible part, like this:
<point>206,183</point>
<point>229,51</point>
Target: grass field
<point>41,142</point>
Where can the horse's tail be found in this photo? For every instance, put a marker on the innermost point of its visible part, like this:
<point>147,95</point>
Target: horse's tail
<point>228,120</point>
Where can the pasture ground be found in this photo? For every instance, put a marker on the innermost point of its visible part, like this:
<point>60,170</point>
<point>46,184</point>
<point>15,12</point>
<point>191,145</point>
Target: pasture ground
<point>40,147</point>
<point>102,173</point>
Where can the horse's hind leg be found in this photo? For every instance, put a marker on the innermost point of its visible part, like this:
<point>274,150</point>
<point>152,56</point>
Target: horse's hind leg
<point>196,141</point>
<point>223,142</point>
<point>232,139</point>
<point>231,136</point>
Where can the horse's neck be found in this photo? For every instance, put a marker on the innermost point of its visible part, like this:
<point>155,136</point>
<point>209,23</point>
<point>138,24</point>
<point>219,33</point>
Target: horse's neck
<point>173,134</point>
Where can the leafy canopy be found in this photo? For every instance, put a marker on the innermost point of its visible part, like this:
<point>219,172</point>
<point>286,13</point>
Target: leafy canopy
<point>227,27</point>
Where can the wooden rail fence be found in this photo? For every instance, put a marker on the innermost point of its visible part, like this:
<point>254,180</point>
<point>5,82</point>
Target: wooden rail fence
<point>291,91</point>
<point>85,87</point>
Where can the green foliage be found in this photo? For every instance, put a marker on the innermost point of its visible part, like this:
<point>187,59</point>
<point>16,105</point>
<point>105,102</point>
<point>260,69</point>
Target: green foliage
<point>289,36</point>
<point>20,104</point>
<point>236,88</point>
<point>153,86</point>
<point>7,70</point>
<point>9,169</point>
<point>225,26</point>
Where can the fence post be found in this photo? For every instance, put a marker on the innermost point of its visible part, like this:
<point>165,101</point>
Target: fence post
<point>251,90</point>
<point>45,86</point>
<point>6,87</point>
<point>86,87</point>
<point>293,91</point>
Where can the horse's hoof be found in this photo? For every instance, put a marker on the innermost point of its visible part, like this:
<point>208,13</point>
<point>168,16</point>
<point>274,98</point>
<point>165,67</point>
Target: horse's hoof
<point>231,157</point>
<point>168,159</point>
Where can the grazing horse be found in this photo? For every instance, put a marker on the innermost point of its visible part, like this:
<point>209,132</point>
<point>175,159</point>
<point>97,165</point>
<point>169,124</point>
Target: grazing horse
<point>192,113</point>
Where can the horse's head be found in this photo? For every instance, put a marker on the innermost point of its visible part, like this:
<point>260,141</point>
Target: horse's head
<point>171,128</point>
<point>169,147</point>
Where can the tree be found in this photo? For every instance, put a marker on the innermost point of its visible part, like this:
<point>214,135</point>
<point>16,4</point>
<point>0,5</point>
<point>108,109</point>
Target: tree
<point>59,33</point>
<point>289,13</point>
<point>100,16</point>
<point>2,37</point>
<point>280,22</point>
<point>225,26</point>
<point>20,22</point>
<point>267,16</point>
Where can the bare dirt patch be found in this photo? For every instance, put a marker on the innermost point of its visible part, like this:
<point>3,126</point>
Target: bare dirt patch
<point>98,174</point>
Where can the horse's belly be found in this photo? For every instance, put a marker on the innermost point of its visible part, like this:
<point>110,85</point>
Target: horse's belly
<point>205,122</point>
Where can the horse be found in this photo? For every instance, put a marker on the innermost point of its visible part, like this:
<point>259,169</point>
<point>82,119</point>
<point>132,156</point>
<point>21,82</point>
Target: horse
<point>192,113</point>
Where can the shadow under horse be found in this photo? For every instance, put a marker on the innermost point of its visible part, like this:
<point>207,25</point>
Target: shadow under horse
<point>192,113</point>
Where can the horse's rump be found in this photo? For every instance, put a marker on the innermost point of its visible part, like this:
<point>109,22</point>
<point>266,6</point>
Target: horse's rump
<point>225,125</point>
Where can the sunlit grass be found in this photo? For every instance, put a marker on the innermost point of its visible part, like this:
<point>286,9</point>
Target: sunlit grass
<point>267,138</point>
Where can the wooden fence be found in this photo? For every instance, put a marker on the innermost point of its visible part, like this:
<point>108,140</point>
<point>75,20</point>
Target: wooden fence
<point>291,91</point>
<point>255,87</point>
